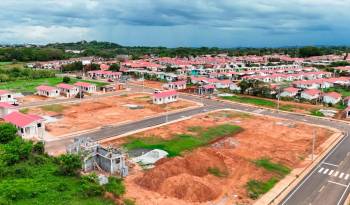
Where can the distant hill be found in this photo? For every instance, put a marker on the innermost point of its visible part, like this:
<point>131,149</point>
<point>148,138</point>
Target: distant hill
<point>83,45</point>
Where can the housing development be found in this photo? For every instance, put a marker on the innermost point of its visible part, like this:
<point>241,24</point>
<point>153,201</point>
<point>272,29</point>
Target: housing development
<point>174,102</point>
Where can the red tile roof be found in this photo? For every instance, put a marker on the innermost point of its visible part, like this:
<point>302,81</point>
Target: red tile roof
<point>3,92</point>
<point>20,119</point>
<point>65,86</point>
<point>83,84</point>
<point>45,88</point>
<point>312,92</point>
<point>166,93</point>
<point>334,95</point>
<point>291,90</point>
<point>6,105</point>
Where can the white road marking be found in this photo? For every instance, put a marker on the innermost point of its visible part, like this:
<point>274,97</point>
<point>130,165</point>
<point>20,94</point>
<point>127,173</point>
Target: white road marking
<point>319,171</point>
<point>330,164</point>
<point>336,174</point>
<point>344,185</point>
<point>325,171</point>
<point>321,188</point>
<point>331,172</point>
<point>341,175</point>
<point>346,177</point>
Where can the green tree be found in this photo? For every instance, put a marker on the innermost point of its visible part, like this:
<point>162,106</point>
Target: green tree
<point>7,133</point>
<point>66,79</point>
<point>115,186</point>
<point>16,150</point>
<point>69,164</point>
<point>114,67</point>
<point>309,51</point>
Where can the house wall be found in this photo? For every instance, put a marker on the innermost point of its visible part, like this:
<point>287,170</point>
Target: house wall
<point>7,98</point>
<point>165,100</point>
<point>54,93</point>
<point>34,130</point>
<point>328,99</point>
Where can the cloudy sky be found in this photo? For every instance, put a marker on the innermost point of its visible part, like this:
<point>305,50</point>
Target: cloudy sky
<point>173,23</point>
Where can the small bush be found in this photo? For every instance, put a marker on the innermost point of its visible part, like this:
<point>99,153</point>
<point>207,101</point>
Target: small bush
<point>66,79</point>
<point>16,150</point>
<point>115,186</point>
<point>7,133</point>
<point>69,164</point>
<point>39,148</point>
<point>90,186</point>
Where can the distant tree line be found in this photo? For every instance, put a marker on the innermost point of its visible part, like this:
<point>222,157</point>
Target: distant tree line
<point>110,50</point>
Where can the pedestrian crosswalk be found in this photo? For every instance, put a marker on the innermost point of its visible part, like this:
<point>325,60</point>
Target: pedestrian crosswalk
<point>333,173</point>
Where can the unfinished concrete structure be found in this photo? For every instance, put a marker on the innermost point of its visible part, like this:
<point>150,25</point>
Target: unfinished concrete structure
<point>96,157</point>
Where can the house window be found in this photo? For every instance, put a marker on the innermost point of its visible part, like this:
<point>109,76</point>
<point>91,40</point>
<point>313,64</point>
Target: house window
<point>22,131</point>
<point>39,124</point>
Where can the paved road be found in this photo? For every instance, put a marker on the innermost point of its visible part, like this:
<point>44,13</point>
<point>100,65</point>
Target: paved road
<point>327,184</point>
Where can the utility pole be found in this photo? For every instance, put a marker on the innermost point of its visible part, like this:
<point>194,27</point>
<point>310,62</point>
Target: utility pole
<point>278,99</point>
<point>313,145</point>
<point>166,112</point>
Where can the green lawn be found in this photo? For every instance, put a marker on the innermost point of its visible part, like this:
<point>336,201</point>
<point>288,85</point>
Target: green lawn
<point>36,181</point>
<point>183,142</point>
<point>343,91</point>
<point>255,188</point>
<point>254,101</point>
<point>277,168</point>
<point>317,113</point>
<point>54,108</point>
<point>30,85</point>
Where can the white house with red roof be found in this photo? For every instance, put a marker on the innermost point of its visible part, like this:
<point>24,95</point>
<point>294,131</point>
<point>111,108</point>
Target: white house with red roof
<point>310,94</point>
<point>68,90</point>
<point>29,126</point>
<point>86,87</point>
<point>164,97</point>
<point>178,85</point>
<point>7,96</point>
<point>223,83</point>
<point>289,92</point>
<point>331,98</point>
<point>47,91</point>
<point>6,108</point>
<point>235,87</point>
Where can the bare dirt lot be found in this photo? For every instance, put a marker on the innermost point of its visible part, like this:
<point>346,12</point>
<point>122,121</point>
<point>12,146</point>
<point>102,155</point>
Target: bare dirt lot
<point>102,112</point>
<point>33,98</point>
<point>186,179</point>
<point>150,84</point>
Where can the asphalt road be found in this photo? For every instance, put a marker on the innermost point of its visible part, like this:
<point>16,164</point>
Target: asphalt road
<point>327,184</point>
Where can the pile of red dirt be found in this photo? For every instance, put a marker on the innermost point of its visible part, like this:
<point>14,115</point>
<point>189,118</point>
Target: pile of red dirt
<point>186,178</point>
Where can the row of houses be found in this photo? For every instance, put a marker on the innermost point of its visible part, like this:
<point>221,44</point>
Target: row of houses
<point>312,94</point>
<point>66,90</point>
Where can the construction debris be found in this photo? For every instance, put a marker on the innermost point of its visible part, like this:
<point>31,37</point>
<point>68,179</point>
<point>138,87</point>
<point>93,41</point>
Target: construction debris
<point>96,157</point>
<point>150,157</point>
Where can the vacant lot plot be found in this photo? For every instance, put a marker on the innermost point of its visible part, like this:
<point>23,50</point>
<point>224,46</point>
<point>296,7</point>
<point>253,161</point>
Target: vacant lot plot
<point>102,112</point>
<point>150,84</point>
<point>240,158</point>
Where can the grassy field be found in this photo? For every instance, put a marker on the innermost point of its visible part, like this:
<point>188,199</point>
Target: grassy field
<point>30,85</point>
<point>317,113</point>
<point>54,108</point>
<point>343,91</point>
<point>183,142</point>
<point>255,188</point>
<point>36,182</point>
<point>254,101</point>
